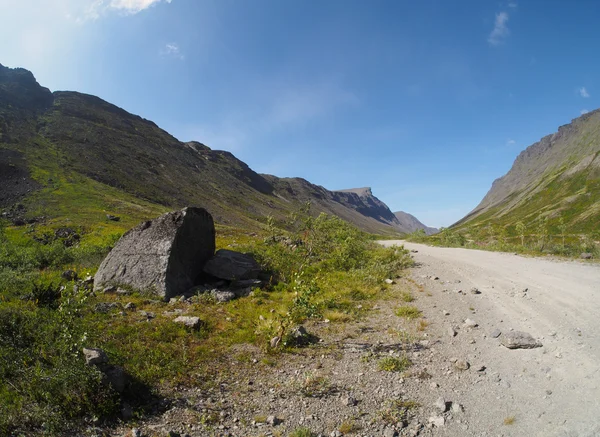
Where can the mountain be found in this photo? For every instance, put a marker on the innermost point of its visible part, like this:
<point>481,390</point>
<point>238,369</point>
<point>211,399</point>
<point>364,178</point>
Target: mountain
<point>409,223</point>
<point>559,176</point>
<point>67,154</point>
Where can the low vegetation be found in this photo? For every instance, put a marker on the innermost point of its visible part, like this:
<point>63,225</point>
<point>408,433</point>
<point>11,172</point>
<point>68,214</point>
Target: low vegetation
<point>540,236</point>
<point>320,267</point>
<point>393,364</point>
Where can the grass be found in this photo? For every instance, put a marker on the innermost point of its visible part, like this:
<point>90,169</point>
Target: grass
<point>397,411</point>
<point>348,427</point>
<point>422,325</point>
<point>408,312</point>
<point>407,297</point>
<point>45,385</point>
<point>301,432</point>
<point>509,420</point>
<point>393,364</point>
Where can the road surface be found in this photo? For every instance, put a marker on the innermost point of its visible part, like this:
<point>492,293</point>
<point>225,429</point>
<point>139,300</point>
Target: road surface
<point>549,391</point>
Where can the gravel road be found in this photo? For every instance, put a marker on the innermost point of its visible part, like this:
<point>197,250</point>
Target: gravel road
<point>553,390</point>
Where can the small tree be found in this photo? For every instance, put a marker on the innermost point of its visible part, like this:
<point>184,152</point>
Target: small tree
<point>543,232</point>
<point>562,227</point>
<point>521,228</point>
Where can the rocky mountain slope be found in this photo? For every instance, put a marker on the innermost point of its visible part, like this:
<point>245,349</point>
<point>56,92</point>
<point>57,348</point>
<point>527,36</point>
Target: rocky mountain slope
<point>51,142</point>
<point>559,176</point>
<point>409,223</point>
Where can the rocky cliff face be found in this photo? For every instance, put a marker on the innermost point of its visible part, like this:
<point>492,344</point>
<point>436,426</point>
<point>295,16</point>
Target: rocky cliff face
<point>84,135</point>
<point>557,176</point>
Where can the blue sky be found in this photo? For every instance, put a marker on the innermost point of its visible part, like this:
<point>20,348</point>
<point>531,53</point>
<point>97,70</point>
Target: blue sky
<point>427,101</point>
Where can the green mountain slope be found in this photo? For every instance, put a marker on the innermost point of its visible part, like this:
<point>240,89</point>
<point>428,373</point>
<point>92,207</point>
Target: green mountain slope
<point>73,154</point>
<point>558,177</point>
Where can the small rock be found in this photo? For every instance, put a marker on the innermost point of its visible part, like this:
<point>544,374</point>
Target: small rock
<point>446,312</point>
<point>273,420</point>
<point>475,290</point>
<point>69,275</point>
<point>441,405</point>
<point>469,323</point>
<point>349,401</point>
<point>105,307</point>
<point>496,333</point>
<point>275,342</point>
<point>223,295</point>
<point>94,357</point>
<point>135,432</point>
<point>190,322</point>
<point>336,433</point>
<point>462,365</point>
<point>123,292</point>
<point>451,331</point>
<point>112,218</point>
<point>457,408</point>
<point>437,421</point>
<point>434,385</point>
<point>389,281</point>
<point>390,432</point>
<point>519,340</point>
<point>110,289</point>
<point>130,306</point>
<point>586,255</point>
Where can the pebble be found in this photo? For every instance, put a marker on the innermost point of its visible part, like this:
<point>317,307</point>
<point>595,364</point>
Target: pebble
<point>451,332</point>
<point>273,420</point>
<point>462,364</point>
<point>457,408</point>
<point>469,323</point>
<point>437,421</point>
<point>446,312</point>
<point>475,290</point>
<point>441,405</point>
<point>389,432</point>
<point>349,401</point>
<point>496,333</point>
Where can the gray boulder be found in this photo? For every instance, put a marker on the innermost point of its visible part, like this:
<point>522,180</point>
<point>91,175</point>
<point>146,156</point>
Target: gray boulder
<point>232,266</point>
<point>519,340</point>
<point>164,255</point>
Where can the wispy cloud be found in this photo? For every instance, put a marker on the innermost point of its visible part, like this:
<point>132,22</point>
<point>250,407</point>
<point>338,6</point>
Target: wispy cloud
<point>511,142</point>
<point>512,5</point>
<point>133,6</point>
<point>583,92</point>
<point>172,50</point>
<point>584,111</point>
<point>500,31</point>
<point>97,8</point>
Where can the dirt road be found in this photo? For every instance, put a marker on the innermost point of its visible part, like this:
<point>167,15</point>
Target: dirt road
<point>553,390</point>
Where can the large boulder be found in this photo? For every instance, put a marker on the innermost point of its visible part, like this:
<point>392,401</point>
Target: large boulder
<point>232,266</point>
<point>163,256</point>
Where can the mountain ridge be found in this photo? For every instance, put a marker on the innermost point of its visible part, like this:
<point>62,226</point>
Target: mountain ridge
<point>56,135</point>
<point>558,176</point>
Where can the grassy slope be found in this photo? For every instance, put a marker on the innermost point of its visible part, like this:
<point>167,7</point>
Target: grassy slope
<point>559,177</point>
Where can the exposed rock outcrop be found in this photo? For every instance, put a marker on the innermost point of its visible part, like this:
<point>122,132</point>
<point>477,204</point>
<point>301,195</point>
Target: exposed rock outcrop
<point>164,255</point>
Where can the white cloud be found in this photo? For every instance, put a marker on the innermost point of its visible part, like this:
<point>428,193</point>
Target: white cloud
<point>94,9</point>
<point>583,92</point>
<point>512,5</point>
<point>172,50</point>
<point>511,142</point>
<point>584,111</point>
<point>500,31</point>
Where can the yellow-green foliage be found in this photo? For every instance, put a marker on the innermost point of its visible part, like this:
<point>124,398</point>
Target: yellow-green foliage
<point>408,312</point>
<point>393,364</point>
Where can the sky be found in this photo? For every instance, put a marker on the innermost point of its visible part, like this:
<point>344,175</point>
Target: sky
<point>427,102</point>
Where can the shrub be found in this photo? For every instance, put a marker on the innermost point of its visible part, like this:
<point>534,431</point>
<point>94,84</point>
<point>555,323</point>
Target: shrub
<point>393,364</point>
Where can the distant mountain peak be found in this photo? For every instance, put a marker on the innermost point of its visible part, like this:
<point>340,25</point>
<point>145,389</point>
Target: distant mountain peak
<point>409,223</point>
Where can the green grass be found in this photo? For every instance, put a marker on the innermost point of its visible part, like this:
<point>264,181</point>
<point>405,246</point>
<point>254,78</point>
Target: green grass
<point>408,312</point>
<point>45,385</point>
<point>301,432</point>
<point>393,364</point>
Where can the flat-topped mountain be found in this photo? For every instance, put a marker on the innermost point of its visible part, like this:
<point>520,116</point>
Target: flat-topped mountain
<point>50,141</point>
<point>559,176</point>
